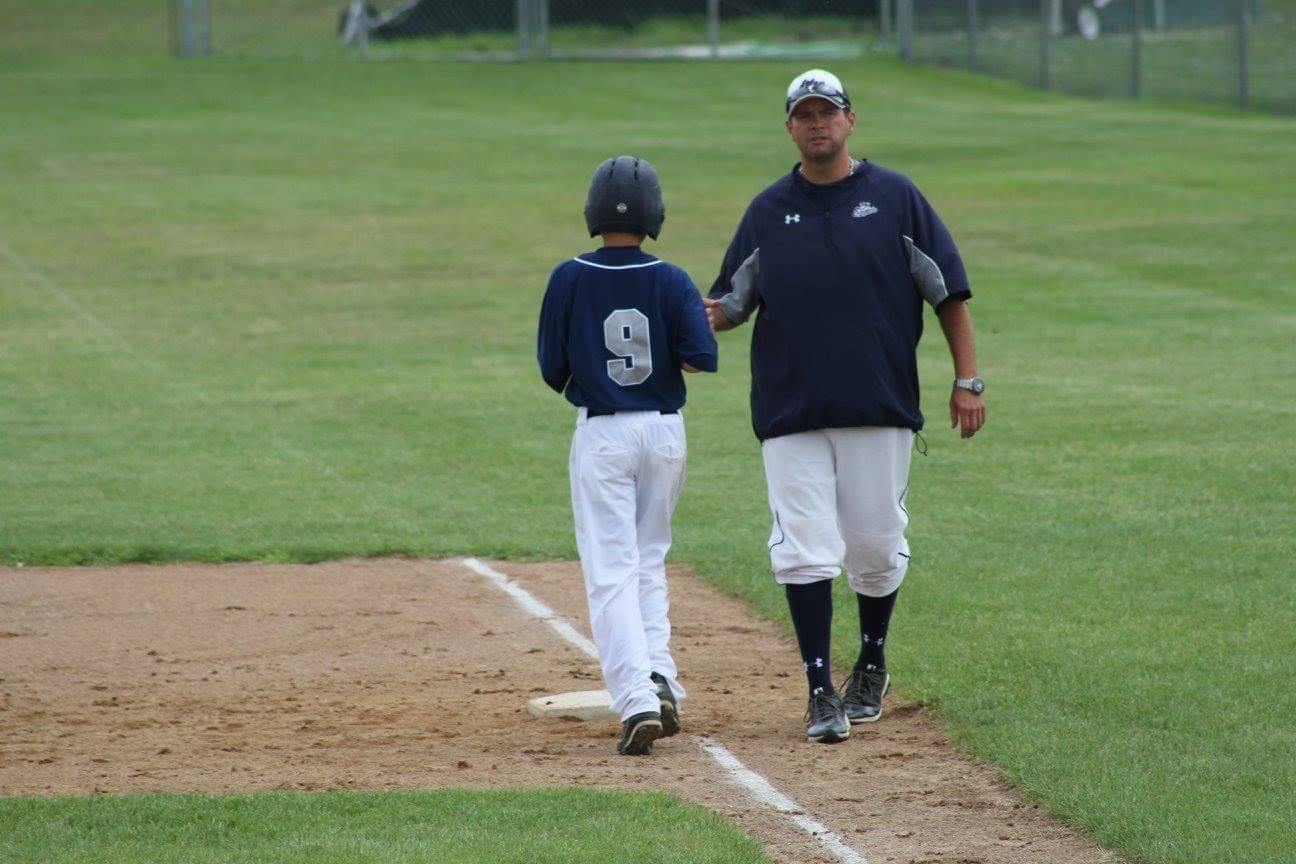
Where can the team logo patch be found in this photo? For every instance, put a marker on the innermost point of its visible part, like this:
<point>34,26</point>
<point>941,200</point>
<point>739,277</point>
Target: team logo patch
<point>791,217</point>
<point>863,209</point>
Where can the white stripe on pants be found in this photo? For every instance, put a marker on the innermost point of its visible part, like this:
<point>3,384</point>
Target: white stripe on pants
<point>837,500</point>
<point>627,470</point>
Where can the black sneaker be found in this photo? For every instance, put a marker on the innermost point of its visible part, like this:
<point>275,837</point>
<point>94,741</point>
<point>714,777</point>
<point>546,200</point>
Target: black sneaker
<point>825,718</point>
<point>863,694</point>
<point>638,733</point>
<point>670,713</point>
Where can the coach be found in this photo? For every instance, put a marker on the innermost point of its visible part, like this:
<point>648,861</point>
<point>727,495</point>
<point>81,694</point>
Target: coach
<point>836,259</point>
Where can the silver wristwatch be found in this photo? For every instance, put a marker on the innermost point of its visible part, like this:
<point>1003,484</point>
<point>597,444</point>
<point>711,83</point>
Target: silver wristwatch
<point>975,385</point>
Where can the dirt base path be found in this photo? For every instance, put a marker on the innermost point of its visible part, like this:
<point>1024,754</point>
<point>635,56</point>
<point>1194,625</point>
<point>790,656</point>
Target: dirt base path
<point>400,674</point>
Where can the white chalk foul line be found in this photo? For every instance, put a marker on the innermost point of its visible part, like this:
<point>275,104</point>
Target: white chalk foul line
<point>532,605</point>
<point>760,789</point>
<point>63,297</point>
<point>764,792</point>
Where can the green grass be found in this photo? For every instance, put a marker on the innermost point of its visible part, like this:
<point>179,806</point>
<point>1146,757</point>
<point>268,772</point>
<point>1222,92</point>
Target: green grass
<point>286,311</point>
<point>464,827</point>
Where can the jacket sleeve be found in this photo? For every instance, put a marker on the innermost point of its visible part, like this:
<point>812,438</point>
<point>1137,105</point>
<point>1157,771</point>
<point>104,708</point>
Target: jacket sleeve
<point>934,260</point>
<point>735,287</point>
<point>551,339</point>
<point>695,343</point>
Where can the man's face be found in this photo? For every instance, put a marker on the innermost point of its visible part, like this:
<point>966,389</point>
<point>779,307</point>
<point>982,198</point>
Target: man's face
<point>820,129</point>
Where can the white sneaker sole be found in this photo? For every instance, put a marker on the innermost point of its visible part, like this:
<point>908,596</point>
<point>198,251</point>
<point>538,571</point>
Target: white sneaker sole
<point>831,737</point>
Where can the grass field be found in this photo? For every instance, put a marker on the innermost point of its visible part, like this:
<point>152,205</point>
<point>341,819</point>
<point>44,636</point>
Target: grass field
<point>285,310</point>
<point>460,826</point>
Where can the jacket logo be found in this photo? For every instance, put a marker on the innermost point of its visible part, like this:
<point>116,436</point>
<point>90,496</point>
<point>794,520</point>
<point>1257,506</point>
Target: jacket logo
<point>863,209</point>
<point>791,217</point>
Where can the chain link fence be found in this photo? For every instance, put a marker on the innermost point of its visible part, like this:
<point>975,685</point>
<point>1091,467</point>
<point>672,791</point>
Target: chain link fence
<point>526,29</point>
<point>1238,51</point>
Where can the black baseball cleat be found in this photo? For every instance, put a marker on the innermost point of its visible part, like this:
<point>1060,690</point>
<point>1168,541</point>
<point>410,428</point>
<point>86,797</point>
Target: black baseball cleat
<point>863,694</point>
<point>670,712</point>
<point>638,733</point>
<point>826,718</point>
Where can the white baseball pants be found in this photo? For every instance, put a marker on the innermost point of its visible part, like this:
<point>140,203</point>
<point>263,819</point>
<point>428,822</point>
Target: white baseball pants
<point>837,497</point>
<point>627,470</point>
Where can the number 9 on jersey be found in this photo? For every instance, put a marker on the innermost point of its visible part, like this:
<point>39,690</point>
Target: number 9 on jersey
<point>625,333</point>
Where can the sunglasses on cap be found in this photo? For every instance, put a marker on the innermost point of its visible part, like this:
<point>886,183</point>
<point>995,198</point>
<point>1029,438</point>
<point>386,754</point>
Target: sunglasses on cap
<point>810,87</point>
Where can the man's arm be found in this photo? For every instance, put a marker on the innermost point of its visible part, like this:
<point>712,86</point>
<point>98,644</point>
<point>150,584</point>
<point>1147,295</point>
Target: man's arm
<point>967,409</point>
<point>732,298</point>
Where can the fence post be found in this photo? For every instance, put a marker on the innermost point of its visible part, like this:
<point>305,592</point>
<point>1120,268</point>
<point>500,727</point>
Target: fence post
<point>1244,59</point>
<point>542,26</point>
<point>523,31</point>
<point>1136,49</point>
<point>193,27</point>
<point>973,26</point>
<point>884,17</point>
<point>904,24</point>
<point>1045,15</point>
<point>713,26</point>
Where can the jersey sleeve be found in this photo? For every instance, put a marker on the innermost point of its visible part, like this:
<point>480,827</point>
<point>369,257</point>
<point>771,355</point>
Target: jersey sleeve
<point>551,339</point>
<point>735,287</point>
<point>695,343</point>
<point>934,260</point>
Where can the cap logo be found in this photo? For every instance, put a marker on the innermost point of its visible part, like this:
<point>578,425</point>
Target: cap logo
<point>621,207</point>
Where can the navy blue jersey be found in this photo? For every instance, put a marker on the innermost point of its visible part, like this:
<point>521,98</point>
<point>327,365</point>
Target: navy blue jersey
<point>615,327</point>
<point>837,275</point>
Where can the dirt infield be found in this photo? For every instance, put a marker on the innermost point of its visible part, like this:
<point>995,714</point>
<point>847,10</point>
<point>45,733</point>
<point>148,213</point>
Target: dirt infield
<point>400,674</point>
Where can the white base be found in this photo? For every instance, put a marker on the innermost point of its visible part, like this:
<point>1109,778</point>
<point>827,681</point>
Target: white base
<point>580,705</point>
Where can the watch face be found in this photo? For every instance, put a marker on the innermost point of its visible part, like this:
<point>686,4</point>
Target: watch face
<point>978,386</point>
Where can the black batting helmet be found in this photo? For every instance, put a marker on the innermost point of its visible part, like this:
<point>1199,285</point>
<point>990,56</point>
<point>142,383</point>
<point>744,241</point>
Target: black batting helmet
<point>625,195</point>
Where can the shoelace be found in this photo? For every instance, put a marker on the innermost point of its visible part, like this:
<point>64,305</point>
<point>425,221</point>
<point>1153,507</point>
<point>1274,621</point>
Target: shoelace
<point>820,708</point>
<point>858,685</point>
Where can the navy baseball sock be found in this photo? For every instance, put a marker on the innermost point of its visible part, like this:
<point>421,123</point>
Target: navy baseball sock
<point>811,608</point>
<point>875,618</point>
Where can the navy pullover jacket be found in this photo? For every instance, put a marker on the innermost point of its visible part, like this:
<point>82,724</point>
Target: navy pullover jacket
<point>616,325</point>
<point>837,275</point>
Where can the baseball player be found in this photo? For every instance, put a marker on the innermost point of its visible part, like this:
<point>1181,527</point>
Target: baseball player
<point>836,259</point>
<point>617,326</point>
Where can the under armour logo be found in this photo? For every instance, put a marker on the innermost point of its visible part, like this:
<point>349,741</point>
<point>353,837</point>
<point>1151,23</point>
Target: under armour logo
<point>791,217</point>
<point>816,663</point>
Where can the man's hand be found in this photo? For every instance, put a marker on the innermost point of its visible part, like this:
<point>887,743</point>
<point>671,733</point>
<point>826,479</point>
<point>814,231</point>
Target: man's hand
<point>967,410</point>
<point>716,316</point>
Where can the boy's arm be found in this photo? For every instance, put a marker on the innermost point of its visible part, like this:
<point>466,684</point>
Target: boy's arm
<point>551,338</point>
<point>696,346</point>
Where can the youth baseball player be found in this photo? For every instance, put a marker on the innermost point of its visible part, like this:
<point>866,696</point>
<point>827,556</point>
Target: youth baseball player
<point>836,260</point>
<point>617,326</point>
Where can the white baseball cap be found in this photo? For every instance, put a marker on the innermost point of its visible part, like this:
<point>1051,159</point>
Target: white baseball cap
<point>816,84</point>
